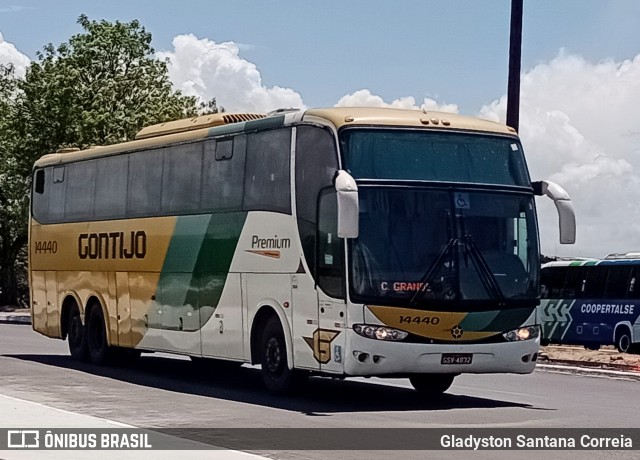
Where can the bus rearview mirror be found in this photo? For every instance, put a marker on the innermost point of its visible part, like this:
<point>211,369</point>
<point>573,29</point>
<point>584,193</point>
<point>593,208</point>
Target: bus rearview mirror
<point>348,208</point>
<point>564,206</point>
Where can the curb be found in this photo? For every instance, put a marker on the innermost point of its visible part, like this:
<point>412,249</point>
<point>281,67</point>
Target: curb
<point>15,318</point>
<point>579,367</point>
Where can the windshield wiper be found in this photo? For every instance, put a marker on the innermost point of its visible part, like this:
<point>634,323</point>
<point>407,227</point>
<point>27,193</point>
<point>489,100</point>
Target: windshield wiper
<point>487,277</point>
<point>425,281</point>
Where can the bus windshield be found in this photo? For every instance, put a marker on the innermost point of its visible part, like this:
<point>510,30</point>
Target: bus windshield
<point>441,248</point>
<point>404,154</point>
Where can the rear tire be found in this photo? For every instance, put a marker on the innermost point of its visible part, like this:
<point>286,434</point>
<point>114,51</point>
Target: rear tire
<point>97,346</point>
<point>76,336</point>
<point>431,386</point>
<point>276,375</point>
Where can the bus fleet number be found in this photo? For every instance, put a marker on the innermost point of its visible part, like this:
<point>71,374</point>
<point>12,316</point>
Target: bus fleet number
<point>46,247</point>
<point>419,320</point>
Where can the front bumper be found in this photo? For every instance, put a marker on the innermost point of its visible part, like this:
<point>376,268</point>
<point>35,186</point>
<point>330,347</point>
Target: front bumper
<point>377,357</point>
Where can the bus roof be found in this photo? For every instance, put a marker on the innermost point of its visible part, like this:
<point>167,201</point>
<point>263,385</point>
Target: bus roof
<point>376,116</point>
<point>591,262</point>
<point>227,123</point>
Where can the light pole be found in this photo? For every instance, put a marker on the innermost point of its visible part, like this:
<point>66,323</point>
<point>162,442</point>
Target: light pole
<point>515,45</point>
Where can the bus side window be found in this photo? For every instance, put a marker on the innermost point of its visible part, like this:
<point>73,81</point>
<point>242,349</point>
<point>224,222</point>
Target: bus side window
<point>633,291</point>
<point>56,191</point>
<point>267,171</point>
<point>330,255</point>
<point>574,283</point>
<point>555,283</point>
<point>39,181</point>
<point>617,282</point>
<point>40,197</point>
<point>223,173</point>
<point>596,277</point>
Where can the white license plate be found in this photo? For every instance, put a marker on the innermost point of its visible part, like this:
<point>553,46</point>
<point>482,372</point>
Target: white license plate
<point>456,358</point>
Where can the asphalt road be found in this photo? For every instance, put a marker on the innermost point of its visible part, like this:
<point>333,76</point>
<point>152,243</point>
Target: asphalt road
<point>167,392</point>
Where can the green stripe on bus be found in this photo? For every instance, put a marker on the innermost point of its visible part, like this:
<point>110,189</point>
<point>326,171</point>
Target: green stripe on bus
<point>504,320</point>
<point>265,123</point>
<point>198,261</point>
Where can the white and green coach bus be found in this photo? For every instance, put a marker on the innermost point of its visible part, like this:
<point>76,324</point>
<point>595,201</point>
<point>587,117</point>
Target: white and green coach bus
<point>337,242</point>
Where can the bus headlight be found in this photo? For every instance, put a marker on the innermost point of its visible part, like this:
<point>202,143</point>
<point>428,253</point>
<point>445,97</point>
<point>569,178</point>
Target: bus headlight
<point>523,333</point>
<point>379,332</point>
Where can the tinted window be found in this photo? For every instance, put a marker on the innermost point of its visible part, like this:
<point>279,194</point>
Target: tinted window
<point>634,283</point>
<point>433,156</point>
<point>574,283</point>
<point>552,280</point>
<point>316,166</point>
<point>81,184</point>
<point>330,248</point>
<point>181,179</point>
<point>595,282</point>
<point>111,187</point>
<point>617,282</point>
<point>145,183</point>
<point>56,195</point>
<point>266,186</point>
<point>222,182</point>
<point>40,195</point>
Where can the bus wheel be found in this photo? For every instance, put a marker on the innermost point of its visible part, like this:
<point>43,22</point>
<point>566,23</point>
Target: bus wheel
<point>276,375</point>
<point>623,340</point>
<point>76,336</point>
<point>99,351</point>
<point>431,385</point>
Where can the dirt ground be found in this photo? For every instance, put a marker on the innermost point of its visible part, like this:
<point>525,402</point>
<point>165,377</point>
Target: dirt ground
<point>606,356</point>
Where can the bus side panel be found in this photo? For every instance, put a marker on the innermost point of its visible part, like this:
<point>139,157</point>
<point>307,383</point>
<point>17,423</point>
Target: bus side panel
<point>124,309</point>
<point>222,329</point>
<point>53,312</point>
<point>270,291</point>
<point>142,292</point>
<point>111,304</point>
<point>39,302</point>
<point>585,321</point>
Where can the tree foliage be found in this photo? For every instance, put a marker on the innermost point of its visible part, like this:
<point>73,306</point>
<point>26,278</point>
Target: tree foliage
<point>100,87</point>
<point>13,198</point>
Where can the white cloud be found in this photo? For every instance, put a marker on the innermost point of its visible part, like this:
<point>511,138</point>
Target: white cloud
<point>9,54</point>
<point>206,69</point>
<point>580,126</point>
<point>364,98</point>
<point>579,123</point>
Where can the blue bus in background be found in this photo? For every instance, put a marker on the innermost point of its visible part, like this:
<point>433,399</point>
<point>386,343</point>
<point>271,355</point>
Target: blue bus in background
<point>592,302</point>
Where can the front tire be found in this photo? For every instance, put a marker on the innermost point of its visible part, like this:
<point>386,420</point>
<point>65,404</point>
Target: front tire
<point>623,340</point>
<point>431,386</point>
<point>97,346</point>
<point>276,375</point>
<point>76,336</point>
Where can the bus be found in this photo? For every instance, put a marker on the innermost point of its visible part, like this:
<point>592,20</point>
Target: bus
<point>592,302</point>
<point>336,242</point>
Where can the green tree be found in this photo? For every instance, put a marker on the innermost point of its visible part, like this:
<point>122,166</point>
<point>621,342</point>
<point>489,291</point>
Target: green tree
<point>13,199</point>
<point>100,87</point>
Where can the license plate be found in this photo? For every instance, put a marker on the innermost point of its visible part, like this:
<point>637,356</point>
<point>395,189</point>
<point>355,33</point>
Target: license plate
<point>456,358</point>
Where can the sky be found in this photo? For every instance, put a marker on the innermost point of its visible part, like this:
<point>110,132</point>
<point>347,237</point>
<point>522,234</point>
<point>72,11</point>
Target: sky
<point>580,90</point>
